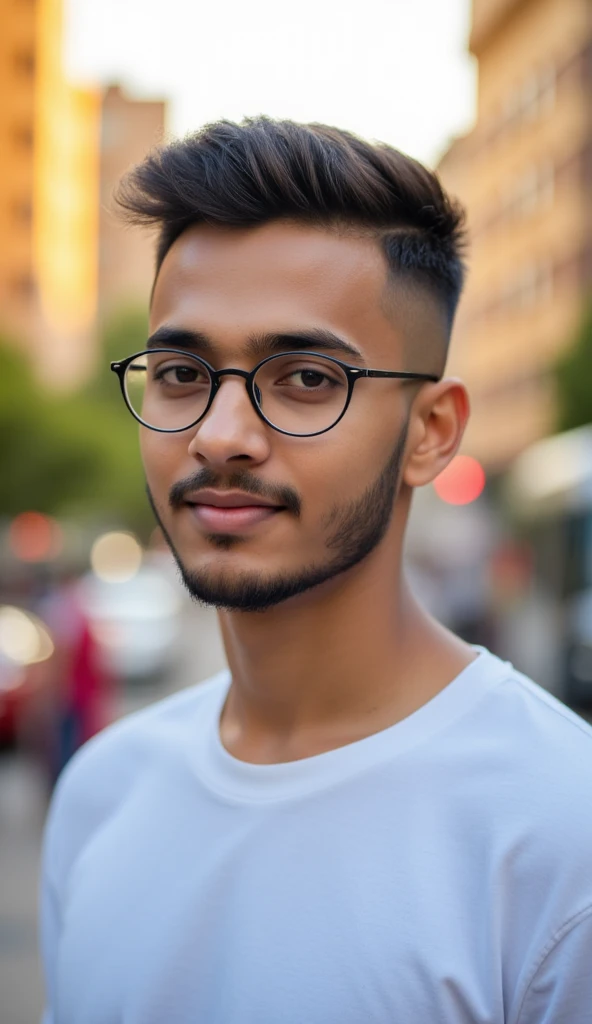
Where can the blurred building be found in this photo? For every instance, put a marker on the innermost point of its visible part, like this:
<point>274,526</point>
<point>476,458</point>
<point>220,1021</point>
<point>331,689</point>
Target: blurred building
<point>129,128</point>
<point>17,92</point>
<point>62,259</point>
<point>49,180</point>
<point>523,173</point>
<point>65,214</point>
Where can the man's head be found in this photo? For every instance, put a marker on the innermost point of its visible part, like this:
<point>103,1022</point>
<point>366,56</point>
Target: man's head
<point>281,231</point>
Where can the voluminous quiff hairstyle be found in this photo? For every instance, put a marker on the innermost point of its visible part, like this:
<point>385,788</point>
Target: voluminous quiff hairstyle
<point>241,175</point>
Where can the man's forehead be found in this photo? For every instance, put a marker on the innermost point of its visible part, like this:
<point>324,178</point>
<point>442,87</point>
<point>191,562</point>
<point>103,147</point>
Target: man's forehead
<point>279,254</point>
<point>284,274</point>
<point>232,283</point>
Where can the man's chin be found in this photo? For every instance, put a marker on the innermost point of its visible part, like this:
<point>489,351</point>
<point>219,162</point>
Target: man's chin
<point>236,591</point>
<point>250,590</point>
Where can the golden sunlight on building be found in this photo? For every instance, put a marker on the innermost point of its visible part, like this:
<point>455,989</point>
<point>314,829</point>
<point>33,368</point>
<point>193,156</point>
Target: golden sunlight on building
<point>523,173</point>
<point>65,206</point>
<point>17,96</point>
<point>65,261</point>
<point>49,134</point>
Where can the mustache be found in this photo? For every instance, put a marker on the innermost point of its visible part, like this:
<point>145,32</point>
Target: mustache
<point>241,480</point>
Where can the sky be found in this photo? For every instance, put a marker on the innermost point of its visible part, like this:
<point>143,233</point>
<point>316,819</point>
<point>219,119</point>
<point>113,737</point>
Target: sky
<point>394,70</point>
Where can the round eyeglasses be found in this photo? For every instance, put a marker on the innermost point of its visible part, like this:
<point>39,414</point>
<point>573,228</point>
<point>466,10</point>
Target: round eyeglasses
<point>298,393</point>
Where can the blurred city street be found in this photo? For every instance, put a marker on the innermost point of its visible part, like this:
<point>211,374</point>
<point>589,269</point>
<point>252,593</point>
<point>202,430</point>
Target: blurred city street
<point>94,623</point>
<point>22,812</point>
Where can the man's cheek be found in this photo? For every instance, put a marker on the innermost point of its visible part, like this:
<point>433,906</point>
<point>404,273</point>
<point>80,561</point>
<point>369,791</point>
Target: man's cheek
<point>155,485</point>
<point>159,461</point>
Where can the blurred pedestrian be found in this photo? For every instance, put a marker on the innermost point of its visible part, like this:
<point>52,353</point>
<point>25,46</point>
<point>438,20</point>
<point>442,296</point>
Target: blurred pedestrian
<point>366,819</point>
<point>80,694</point>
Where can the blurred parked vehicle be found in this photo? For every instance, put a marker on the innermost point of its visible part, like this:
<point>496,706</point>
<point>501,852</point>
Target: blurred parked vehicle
<point>26,653</point>
<point>578,648</point>
<point>550,486</point>
<point>136,621</point>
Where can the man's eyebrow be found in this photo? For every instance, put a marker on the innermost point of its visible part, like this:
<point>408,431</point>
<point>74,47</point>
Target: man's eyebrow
<point>180,337</point>
<point>258,345</point>
<point>313,338</point>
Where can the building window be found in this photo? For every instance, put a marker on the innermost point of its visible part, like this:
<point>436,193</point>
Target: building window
<point>23,136</point>
<point>530,190</point>
<point>23,286</point>
<point>531,97</point>
<point>515,387</point>
<point>24,62</point>
<point>547,88</point>
<point>530,284</point>
<point>112,129</point>
<point>22,211</point>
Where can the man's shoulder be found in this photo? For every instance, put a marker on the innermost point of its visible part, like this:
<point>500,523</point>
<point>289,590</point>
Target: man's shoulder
<point>124,744</point>
<point>100,776</point>
<point>534,787</point>
<point>536,755</point>
<point>542,719</point>
<point>504,720</point>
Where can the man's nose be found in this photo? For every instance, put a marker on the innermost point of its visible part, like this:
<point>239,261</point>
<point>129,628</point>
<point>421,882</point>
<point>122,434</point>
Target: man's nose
<point>231,429</point>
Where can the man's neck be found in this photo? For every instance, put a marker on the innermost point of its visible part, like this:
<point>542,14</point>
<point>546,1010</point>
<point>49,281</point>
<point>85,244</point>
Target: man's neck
<point>338,663</point>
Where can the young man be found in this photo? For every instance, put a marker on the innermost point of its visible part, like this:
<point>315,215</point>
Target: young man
<point>365,819</point>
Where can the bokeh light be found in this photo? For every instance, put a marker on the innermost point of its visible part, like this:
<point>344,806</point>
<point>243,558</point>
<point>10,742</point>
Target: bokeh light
<point>461,482</point>
<point>116,557</point>
<point>35,537</point>
<point>23,637</point>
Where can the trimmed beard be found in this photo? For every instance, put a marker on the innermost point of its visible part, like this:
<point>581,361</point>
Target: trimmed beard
<point>355,530</point>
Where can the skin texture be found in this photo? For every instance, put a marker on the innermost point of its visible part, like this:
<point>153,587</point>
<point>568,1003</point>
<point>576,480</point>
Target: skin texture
<point>351,532</point>
<point>355,653</point>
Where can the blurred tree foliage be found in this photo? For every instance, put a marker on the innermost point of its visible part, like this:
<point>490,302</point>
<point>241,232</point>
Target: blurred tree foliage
<point>73,454</point>
<point>124,334</point>
<point>574,378</point>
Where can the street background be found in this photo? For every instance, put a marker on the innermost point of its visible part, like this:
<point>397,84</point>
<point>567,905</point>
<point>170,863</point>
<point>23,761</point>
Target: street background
<point>23,803</point>
<point>94,623</point>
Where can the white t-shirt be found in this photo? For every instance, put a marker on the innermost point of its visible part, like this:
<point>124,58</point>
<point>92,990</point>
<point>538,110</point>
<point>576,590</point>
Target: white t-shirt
<point>437,872</point>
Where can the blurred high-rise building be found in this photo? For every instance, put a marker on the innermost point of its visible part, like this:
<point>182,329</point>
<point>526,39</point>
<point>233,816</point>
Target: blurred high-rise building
<point>17,112</point>
<point>129,128</point>
<point>49,183</point>
<point>523,172</point>
<point>62,259</point>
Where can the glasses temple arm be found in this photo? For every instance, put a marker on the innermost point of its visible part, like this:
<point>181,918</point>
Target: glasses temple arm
<point>402,374</point>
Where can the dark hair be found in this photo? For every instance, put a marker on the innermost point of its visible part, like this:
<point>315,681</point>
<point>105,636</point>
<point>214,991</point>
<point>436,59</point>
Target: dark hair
<point>238,175</point>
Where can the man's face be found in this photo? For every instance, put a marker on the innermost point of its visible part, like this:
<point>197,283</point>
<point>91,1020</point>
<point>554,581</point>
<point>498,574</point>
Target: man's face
<point>332,495</point>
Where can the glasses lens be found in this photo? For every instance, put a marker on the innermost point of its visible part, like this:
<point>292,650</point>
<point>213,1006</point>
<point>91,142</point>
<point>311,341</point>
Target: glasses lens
<point>167,390</point>
<point>301,394</point>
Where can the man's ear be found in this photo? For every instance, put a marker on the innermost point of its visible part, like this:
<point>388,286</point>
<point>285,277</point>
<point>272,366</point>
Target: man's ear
<point>438,418</point>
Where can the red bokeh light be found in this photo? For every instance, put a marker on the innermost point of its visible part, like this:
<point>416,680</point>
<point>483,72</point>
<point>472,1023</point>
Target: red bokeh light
<point>35,537</point>
<point>461,482</point>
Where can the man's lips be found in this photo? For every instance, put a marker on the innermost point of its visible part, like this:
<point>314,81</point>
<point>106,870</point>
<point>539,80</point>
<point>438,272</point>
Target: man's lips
<point>229,499</point>
<point>229,511</point>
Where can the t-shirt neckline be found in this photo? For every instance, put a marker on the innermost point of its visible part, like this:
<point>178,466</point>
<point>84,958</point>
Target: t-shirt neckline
<point>243,781</point>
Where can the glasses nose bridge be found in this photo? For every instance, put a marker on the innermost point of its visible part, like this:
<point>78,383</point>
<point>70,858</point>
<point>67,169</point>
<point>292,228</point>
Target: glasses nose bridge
<point>230,372</point>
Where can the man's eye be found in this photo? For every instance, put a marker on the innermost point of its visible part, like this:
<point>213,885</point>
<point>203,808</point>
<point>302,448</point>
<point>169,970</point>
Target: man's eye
<point>312,378</point>
<point>180,375</point>
<point>309,379</point>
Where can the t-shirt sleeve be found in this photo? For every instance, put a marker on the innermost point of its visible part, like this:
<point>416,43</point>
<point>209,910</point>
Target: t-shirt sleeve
<point>86,792</point>
<point>560,990</point>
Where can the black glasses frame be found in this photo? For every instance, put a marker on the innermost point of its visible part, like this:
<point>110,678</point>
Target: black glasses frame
<point>352,373</point>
